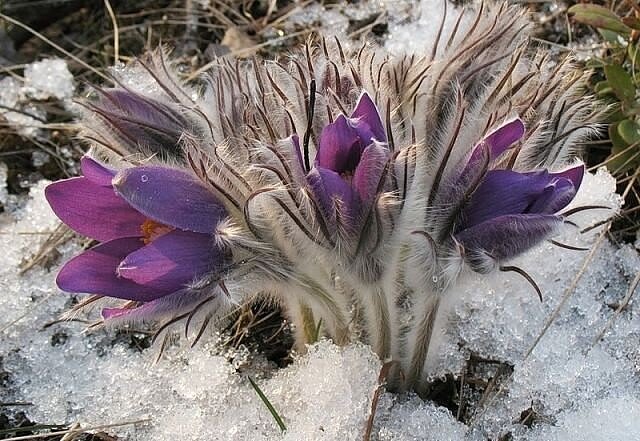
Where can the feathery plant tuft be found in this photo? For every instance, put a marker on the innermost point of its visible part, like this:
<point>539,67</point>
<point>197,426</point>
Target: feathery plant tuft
<point>351,187</point>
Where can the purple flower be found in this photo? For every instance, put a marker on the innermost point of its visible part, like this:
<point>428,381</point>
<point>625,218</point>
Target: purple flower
<point>139,121</point>
<point>507,211</point>
<point>349,162</point>
<point>156,225</point>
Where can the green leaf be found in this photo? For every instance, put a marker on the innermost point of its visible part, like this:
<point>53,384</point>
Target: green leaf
<point>618,141</point>
<point>611,37</point>
<point>603,88</point>
<point>629,131</point>
<point>621,82</point>
<point>598,17</point>
<point>632,22</point>
<point>615,115</point>
<point>622,157</point>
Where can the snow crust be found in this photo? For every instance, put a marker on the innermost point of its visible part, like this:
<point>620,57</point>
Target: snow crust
<point>578,390</point>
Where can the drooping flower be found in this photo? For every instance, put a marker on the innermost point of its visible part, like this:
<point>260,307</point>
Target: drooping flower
<point>506,212</point>
<point>155,225</point>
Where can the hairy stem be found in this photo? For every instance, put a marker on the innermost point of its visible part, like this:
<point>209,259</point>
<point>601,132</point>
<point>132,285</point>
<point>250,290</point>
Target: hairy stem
<point>422,339</point>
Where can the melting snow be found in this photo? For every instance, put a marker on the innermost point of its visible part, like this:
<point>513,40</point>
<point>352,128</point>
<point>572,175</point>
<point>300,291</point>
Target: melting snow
<point>44,79</point>
<point>578,390</point>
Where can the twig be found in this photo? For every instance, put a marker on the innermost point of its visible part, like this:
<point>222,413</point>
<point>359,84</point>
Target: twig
<point>54,45</point>
<point>116,32</point>
<point>382,380</point>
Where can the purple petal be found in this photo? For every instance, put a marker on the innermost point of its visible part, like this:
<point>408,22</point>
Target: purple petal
<point>573,174</point>
<point>172,260</point>
<point>367,175</point>
<point>171,197</point>
<point>366,113</point>
<point>94,272</point>
<point>507,236</point>
<point>327,186</point>
<point>498,141</point>
<point>504,192</point>
<point>93,210</point>
<point>560,191</point>
<point>96,172</point>
<point>141,120</point>
<point>340,147</point>
<point>555,196</point>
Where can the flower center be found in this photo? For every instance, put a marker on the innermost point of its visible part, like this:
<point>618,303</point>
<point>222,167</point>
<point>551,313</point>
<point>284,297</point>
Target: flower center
<point>151,230</point>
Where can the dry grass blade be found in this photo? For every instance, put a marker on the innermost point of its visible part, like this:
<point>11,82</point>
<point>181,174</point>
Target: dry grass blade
<point>33,307</point>
<point>78,430</point>
<point>570,289</point>
<point>251,49</point>
<point>55,46</point>
<point>486,400</point>
<point>60,235</point>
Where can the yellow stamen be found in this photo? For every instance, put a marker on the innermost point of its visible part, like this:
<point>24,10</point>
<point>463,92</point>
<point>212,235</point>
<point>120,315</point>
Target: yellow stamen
<point>151,230</point>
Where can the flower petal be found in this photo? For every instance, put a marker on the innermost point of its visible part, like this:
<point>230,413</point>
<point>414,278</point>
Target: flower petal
<point>94,272</point>
<point>171,197</point>
<point>555,196</point>
<point>498,141</point>
<point>560,191</point>
<point>504,192</point>
<point>367,175</point>
<point>328,186</point>
<point>93,210</point>
<point>507,236</point>
<point>573,174</point>
<point>367,113</point>
<point>172,260</point>
<point>96,172</point>
<point>340,147</point>
<point>141,120</point>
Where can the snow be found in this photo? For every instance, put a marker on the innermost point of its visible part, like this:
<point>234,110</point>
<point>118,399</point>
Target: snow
<point>576,389</point>
<point>45,79</point>
<point>48,78</point>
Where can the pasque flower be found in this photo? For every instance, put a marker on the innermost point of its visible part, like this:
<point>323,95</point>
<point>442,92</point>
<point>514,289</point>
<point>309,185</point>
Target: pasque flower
<point>351,155</point>
<point>155,224</point>
<point>351,187</point>
<point>505,212</point>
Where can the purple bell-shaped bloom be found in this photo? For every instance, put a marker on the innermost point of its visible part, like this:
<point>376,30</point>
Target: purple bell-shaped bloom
<point>509,212</point>
<point>156,225</point>
<point>351,156</point>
